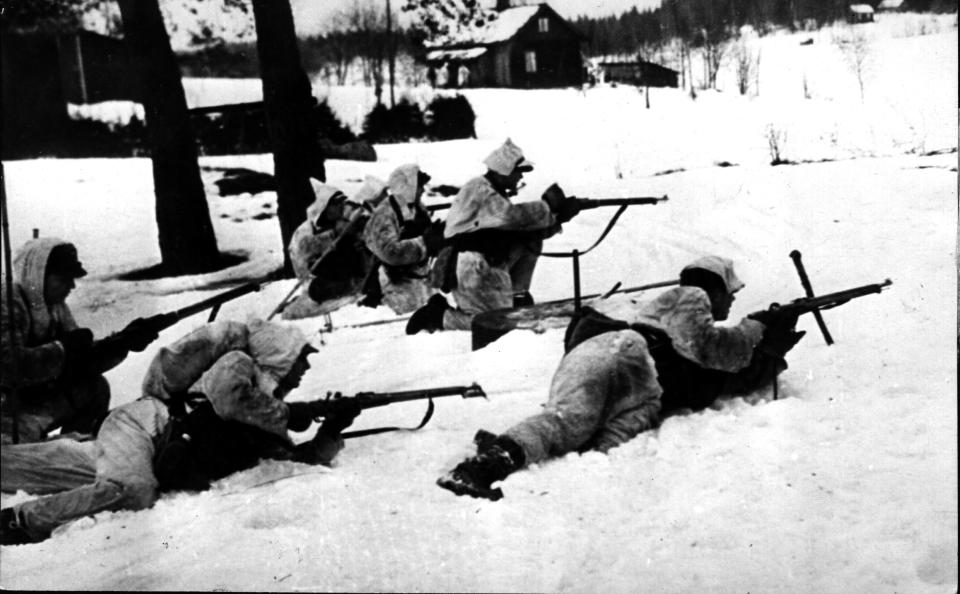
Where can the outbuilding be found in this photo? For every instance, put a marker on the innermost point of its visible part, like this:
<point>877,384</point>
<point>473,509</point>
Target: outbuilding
<point>524,47</point>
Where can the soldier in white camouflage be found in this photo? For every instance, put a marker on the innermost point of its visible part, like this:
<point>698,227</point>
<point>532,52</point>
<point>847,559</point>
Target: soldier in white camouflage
<point>620,378</point>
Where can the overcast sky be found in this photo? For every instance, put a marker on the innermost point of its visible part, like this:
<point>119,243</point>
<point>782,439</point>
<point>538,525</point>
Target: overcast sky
<point>312,16</point>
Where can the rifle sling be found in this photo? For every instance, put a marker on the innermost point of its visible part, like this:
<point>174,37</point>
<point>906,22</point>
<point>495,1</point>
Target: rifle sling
<point>364,432</point>
<point>613,221</point>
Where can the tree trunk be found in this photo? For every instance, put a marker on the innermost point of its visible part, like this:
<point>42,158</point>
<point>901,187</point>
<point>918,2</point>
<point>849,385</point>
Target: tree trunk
<point>288,102</point>
<point>187,241</point>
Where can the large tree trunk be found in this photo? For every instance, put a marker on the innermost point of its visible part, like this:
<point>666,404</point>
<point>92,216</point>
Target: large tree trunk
<point>288,102</point>
<point>187,241</point>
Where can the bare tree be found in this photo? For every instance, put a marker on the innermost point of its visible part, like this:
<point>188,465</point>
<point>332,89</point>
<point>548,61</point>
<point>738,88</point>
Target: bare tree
<point>856,48</point>
<point>747,64</point>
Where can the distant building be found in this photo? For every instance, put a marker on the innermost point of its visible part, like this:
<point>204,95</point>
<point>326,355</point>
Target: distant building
<point>632,70</point>
<point>891,6</point>
<point>860,13</point>
<point>525,47</point>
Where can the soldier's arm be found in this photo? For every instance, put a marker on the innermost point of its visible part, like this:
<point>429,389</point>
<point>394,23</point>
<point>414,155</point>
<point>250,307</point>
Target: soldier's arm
<point>34,365</point>
<point>383,239</point>
<point>715,346</point>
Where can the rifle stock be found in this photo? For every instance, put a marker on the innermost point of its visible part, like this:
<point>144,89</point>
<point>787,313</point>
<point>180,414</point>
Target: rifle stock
<point>588,203</point>
<point>808,304</point>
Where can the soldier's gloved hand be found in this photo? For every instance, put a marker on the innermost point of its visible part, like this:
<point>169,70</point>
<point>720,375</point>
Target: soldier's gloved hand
<point>780,319</point>
<point>341,414</point>
<point>568,209</point>
<point>433,238</point>
<point>138,335</point>
<point>554,197</point>
<point>779,342</point>
<point>77,350</point>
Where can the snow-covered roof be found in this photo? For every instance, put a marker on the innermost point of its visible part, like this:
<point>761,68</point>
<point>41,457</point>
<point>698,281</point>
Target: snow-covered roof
<point>455,54</point>
<point>861,8</point>
<point>505,26</point>
<point>890,5</point>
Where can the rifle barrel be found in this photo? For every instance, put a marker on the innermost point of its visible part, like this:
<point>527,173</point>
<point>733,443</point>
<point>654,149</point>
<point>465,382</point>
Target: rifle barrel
<point>832,300</point>
<point>588,203</point>
<point>218,299</point>
<point>436,207</point>
<point>374,399</point>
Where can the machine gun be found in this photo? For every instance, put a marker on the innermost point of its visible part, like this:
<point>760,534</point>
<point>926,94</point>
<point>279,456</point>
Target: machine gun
<point>335,404</point>
<point>134,332</point>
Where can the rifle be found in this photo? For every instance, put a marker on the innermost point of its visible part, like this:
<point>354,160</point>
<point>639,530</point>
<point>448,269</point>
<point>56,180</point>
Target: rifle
<point>333,404</point>
<point>804,305</point>
<point>588,203</point>
<point>157,323</point>
<point>432,208</point>
<point>357,223</point>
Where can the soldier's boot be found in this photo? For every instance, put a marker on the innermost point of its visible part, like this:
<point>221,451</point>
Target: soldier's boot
<point>429,317</point>
<point>11,532</point>
<point>484,440</point>
<point>524,299</point>
<point>476,475</point>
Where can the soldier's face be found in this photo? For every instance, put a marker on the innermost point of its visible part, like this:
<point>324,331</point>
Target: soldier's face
<point>292,380</point>
<point>56,287</point>
<point>721,302</point>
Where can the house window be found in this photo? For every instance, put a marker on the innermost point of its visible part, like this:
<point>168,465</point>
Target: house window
<point>543,24</point>
<point>530,59</point>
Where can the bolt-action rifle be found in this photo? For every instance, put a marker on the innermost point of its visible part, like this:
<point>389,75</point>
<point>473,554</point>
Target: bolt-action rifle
<point>335,404</point>
<point>803,305</point>
<point>134,332</point>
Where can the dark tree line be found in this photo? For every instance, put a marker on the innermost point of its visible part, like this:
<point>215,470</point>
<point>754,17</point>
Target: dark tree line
<point>706,22</point>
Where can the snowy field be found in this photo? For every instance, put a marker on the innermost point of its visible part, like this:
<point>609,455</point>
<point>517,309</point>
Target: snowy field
<point>847,483</point>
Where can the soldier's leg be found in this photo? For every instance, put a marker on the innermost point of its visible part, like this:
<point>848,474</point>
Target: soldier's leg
<point>47,467</point>
<point>480,287</point>
<point>405,296</point>
<point>124,480</point>
<point>574,412</point>
<point>523,261</point>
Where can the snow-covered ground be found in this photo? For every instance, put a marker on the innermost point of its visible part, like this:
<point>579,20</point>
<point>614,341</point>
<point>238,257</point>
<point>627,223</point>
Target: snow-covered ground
<point>847,483</point>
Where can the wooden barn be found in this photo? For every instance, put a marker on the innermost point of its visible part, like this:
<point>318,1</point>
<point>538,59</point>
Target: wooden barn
<point>525,47</point>
<point>635,71</point>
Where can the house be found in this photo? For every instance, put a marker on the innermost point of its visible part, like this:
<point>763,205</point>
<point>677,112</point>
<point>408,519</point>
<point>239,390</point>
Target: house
<point>43,72</point>
<point>891,6</point>
<point>860,13</point>
<point>524,47</point>
<point>633,70</point>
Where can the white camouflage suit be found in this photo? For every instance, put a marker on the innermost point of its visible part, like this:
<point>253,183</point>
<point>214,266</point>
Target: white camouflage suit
<point>482,286</point>
<point>605,390</point>
<point>236,366</point>
<point>404,261</point>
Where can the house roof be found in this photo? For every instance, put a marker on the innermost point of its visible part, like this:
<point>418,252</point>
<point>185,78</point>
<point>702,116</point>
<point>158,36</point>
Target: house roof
<point>442,55</point>
<point>890,4</point>
<point>861,8</point>
<point>505,26</point>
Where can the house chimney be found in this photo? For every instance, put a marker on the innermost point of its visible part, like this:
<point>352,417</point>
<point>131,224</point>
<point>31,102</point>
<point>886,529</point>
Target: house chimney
<point>502,5</point>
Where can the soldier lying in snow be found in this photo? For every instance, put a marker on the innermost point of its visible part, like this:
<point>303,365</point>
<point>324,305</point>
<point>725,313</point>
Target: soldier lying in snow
<point>618,379</point>
<point>211,405</point>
